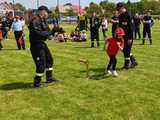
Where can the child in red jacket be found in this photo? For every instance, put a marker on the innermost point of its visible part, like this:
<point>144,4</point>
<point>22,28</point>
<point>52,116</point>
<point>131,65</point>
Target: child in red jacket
<point>112,46</point>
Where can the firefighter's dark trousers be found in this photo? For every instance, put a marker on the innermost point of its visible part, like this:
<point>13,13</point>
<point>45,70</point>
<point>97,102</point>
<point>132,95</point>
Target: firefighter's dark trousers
<point>147,31</point>
<point>94,35</point>
<point>128,56</point>
<point>42,58</point>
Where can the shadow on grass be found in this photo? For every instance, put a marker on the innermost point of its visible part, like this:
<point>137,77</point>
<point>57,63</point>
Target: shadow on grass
<point>9,49</point>
<point>83,47</point>
<point>16,86</point>
<point>98,73</point>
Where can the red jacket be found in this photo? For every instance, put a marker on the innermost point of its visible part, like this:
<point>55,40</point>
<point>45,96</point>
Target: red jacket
<point>114,46</point>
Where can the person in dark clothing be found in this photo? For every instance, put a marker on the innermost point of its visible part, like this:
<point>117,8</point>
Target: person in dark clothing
<point>82,22</point>
<point>95,24</point>
<point>55,21</point>
<point>147,23</point>
<point>39,32</point>
<point>137,23</point>
<point>115,22</point>
<point>5,28</point>
<point>125,22</point>
<point>1,35</point>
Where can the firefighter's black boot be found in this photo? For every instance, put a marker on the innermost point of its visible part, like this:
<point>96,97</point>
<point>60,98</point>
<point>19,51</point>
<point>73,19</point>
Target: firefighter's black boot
<point>143,41</point>
<point>92,44</point>
<point>150,40</point>
<point>1,46</point>
<point>126,64</point>
<point>50,78</point>
<point>37,81</point>
<point>133,61</point>
<point>98,44</point>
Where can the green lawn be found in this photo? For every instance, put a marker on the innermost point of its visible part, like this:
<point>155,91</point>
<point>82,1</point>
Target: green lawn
<point>134,95</point>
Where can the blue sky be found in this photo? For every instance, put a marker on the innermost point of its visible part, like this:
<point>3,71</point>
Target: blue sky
<point>51,3</point>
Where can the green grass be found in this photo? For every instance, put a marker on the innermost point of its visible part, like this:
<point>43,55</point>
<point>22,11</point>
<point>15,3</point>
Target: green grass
<point>134,95</point>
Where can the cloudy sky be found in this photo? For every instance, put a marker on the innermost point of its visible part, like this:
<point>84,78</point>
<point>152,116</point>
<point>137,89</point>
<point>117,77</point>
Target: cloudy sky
<point>51,3</point>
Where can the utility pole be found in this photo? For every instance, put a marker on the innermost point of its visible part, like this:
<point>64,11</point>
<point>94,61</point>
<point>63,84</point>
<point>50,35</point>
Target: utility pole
<point>37,4</point>
<point>79,6</point>
<point>58,9</point>
<point>13,2</point>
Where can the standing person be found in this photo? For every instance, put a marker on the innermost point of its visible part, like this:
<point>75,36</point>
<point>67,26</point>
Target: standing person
<point>137,23</point>
<point>39,32</point>
<point>1,34</point>
<point>94,29</point>
<point>82,22</point>
<point>22,39</point>
<point>112,46</point>
<point>55,21</point>
<point>115,22</point>
<point>104,27</point>
<point>125,22</point>
<point>5,28</point>
<point>17,27</point>
<point>147,23</point>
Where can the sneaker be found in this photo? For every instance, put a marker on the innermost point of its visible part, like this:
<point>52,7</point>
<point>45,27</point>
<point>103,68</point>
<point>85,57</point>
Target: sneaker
<point>108,73</point>
<point>114,73</point>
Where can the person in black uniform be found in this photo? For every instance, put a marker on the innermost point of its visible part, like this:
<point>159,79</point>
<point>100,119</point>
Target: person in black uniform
<point>147,23</point>
<point>125,22</point>
<point>82,22</point>
<point>115,22</point>
<point>5,28</point>
<point>137,23</point>
<point>39,33</point>
<point>95,24</point>
<point>55,21</point>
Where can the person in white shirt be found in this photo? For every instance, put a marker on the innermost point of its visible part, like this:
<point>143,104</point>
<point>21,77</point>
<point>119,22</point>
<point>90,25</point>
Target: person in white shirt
<point>83,35</point>
<point>17,27</point>
<point>104,27</point>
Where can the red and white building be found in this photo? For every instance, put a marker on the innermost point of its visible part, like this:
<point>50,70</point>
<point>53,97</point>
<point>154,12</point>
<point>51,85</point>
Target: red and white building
<point>6,8</point>
<point>76,8</point>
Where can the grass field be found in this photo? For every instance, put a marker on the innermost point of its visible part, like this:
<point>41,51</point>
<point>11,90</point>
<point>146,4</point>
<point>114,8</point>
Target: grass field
<point>134,95</point>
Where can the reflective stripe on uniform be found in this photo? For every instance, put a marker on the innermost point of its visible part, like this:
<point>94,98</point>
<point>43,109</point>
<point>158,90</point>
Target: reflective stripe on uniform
<point>39,74</point>
<point>49,69</point>
<point>127,58</point>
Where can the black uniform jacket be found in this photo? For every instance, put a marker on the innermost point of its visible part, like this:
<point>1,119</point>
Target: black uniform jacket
<point>125,22</point>
<point>39,31</point>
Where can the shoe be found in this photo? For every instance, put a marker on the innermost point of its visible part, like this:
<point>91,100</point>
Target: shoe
<point>37,82</point>
<point>134,64</point>
<point>108,73</point>
<point>114,73</point>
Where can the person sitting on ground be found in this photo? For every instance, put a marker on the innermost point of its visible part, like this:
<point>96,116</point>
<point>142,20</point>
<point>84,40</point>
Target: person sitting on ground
<point>75,36</point>
<point>112,47</point>
<point>61,35</point>
<point>83,36</point>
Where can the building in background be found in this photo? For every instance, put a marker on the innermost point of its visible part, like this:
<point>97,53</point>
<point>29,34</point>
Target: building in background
<point>6,8</point>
